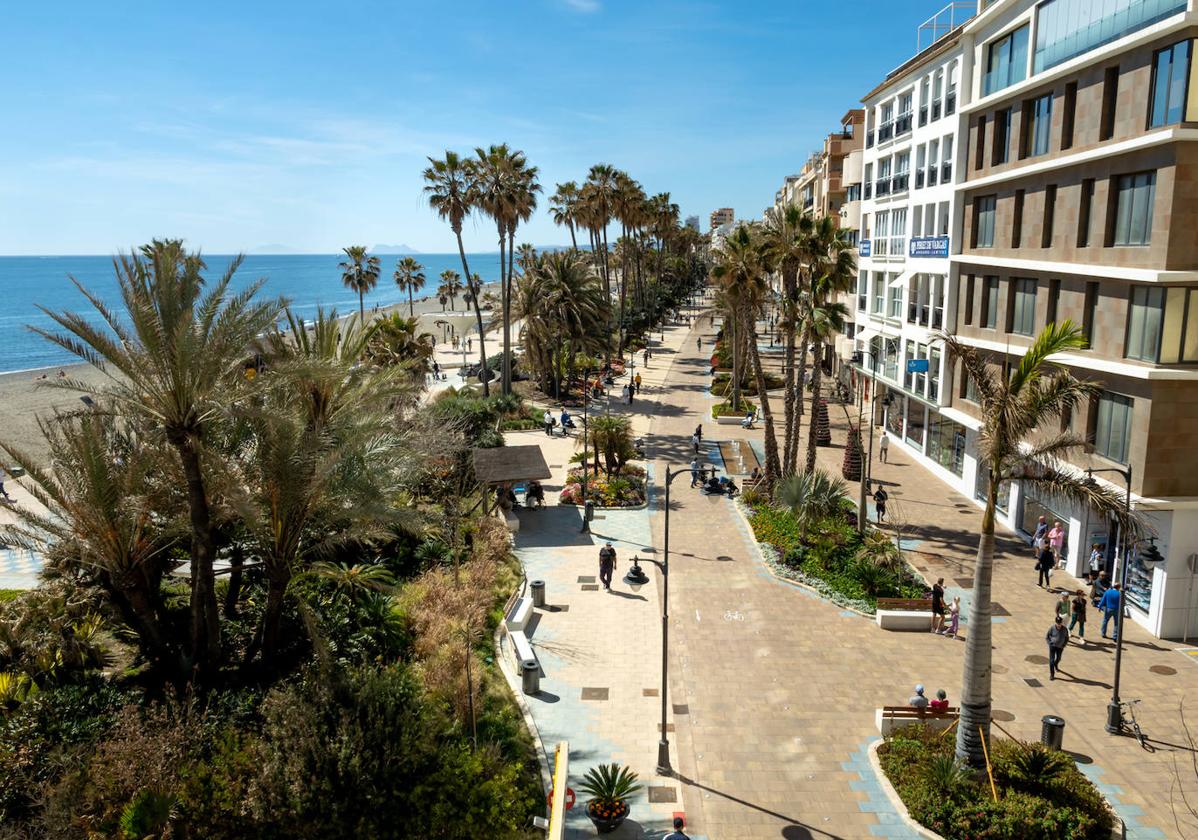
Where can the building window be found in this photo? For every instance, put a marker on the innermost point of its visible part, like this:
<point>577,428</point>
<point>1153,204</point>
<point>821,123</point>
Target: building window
<point>934,375</point>
<point>983,229</point>
<point>1054,300</point>
<point>881,238</point>
<point>990,303</point>
<point>1050,206</point>
<point>979,152</point>
<point>946,443</point>
<point>1017,220</point>
<point>1002,137</point>
<point>1110,100</point>
<point>1006,61</point>
<point>879,292</point>
<point>1090,311</point>
<point>894,298</point>
<point>1067,28</point>
<point>1041,125</point>
<point>908,376</point>
<point>1133,202</point>
<point>898,232</point>
<point>969,292</point>
<point>862,291</point>
<point>1144,320</point>
<point>1021,318</point>
<point>1069,115</point>
<point>1112,426</point>
<point>1170,74</point>
<point>1083,213</point>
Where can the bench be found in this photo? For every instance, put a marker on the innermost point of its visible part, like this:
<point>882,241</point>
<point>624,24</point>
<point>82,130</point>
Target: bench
<point>518,616</point>
<point>890,718</point>
<point>521,647</point>
<point>904,613</point>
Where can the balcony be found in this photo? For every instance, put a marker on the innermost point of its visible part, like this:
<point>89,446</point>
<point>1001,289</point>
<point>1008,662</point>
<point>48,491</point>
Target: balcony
<point>936,110</point>
<point>885,132</point>
<point>946,172</point>
<point>899,183</point>
<point>869,139</point>
<point>882,187</point>
<point>932,176</point>
<point>923,115</point>
<point>918,178</point>
<point>903,124</point>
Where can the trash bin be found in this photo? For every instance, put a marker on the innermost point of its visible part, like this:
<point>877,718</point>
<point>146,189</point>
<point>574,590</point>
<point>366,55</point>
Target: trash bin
<point>531,676</point>
<point>589,510</point>
<point>1052,731</point>
<point>538,593</point>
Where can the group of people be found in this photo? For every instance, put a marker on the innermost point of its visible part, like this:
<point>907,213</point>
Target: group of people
<point>1048,544</point>
<point>1074,606</point>
<point>919,700</point>
<point>551,422</point>
<point>945,620</point>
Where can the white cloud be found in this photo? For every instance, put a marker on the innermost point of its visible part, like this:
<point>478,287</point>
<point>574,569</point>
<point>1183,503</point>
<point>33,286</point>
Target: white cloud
<point>586,7</point>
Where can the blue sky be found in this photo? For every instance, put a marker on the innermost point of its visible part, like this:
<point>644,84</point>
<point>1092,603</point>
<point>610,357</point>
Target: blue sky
<point>238,124</point>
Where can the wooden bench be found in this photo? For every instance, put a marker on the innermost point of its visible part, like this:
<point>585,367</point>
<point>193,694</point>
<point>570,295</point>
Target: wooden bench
<point>520,613</point>
<point>890,718</point>
<point>904,613</point>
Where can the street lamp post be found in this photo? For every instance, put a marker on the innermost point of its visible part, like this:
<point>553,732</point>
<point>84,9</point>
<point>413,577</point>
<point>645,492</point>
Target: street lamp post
<point>636,579</point>
<point>586,388</point>
<point>1114,711</point>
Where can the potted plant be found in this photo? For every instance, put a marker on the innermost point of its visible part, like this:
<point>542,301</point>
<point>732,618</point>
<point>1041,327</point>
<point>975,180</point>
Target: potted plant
<point>609,786</point>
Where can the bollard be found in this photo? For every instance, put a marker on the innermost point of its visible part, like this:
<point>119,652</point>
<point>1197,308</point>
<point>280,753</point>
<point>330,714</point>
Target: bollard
<point>1052,731</point>
<point>531,676</point>
<point>538,593</point>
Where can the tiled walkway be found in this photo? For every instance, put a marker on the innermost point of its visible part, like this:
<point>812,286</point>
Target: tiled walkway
<point>773,689</point>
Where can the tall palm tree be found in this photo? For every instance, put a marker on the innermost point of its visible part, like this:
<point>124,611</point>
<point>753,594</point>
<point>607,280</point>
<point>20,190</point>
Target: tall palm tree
<point>449,186</point>
<point>601,181</point>
<point>409,277</point>
<point>740,272</point>
<point>563,206</point>
<point>175,359</point>
<point>451,286</point>
<point>523,192</point>
<point>359,273</point>
<point>1013,408</point>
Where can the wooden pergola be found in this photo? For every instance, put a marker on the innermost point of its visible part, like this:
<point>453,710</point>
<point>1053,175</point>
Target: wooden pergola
<point>510,464</point>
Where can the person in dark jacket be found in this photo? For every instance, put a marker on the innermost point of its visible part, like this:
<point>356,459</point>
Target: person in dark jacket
<point>1057,637</point>
<point>1045,565</point>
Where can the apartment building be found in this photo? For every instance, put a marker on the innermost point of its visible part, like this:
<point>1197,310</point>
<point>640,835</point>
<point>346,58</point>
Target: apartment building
<point>723,216</point>
<point>905,290</point>
<point>824,184</point>
<point>1077,199</point>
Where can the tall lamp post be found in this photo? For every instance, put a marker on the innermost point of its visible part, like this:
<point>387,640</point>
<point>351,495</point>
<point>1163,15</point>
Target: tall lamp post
<point>1114,709</point>
<point>637,578</point>
<point>586,390</point>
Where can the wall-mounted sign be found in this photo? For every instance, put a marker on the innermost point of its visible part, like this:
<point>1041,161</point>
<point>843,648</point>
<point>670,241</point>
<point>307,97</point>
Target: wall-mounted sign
<point>917,365</point>
<point>929,246</point>
<point>864,248</point>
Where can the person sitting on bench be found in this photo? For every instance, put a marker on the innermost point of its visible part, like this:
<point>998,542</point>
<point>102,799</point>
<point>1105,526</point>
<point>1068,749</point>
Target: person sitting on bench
<point>713,485</point>
<point>534,493</point>
<point>747,423</point>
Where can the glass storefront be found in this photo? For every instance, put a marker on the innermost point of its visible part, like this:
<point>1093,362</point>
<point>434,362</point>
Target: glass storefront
<point>895,415</point>
<point>916,419</point>
<point>1139,583</point>
<point>946,443</point>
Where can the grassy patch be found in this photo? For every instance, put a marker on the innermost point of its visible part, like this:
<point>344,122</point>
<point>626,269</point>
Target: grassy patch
<point>725,409</point>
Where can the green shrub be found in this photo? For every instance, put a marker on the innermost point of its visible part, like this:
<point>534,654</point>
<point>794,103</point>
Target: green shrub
<point>725,409</point>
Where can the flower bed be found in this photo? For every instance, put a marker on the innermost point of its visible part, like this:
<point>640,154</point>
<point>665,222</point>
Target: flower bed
<point>628,489</point>
<point>721,384</point>
<point>1041,793</point>
<point>725,409</point>
<point>829,559</point>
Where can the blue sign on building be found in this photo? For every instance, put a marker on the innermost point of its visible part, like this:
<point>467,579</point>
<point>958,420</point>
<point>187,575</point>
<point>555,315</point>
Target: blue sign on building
<point>864,247</point>
<point>929,246</point>
<point>917,365</point>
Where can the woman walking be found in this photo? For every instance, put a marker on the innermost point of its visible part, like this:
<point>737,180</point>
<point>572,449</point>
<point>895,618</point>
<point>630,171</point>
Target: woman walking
<point>954,618</point>
<point>1078,615</point>
<point>1056,539</point>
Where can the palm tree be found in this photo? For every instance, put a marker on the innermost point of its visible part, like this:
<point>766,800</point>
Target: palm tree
<point>451,286</point>
<point>1013,407</point>
<point>563,206</point>
<point>359,273</point>
<point>601,181</point>
<point>523,203</point>
<point>175,360</point>
<point>409,277</point>
<point>812,496</point>
<point>740,272</point>
<point>449,186</point>
<point>494,192</point>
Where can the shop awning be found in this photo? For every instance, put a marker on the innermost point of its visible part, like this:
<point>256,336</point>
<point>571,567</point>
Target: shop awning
<point>866,335</point>
<point>901,281</point>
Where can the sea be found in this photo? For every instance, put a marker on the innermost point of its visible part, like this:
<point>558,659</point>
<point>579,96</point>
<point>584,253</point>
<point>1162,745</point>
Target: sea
<point>307,281</point>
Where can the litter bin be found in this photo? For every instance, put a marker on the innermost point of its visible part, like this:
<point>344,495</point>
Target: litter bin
<point>1052,731</point>
<point>589,510</point>
<point>538,593</point>
<point>531,676</point>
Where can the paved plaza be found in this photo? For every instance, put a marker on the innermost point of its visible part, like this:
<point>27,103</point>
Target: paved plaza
<point>772,689</point>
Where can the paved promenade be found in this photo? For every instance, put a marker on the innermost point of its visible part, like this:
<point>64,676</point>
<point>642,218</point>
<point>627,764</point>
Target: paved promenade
<point>773,690</point>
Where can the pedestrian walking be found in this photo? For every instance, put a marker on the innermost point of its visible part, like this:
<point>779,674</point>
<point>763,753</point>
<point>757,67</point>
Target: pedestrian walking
<point>1056,539</point>
<point>1044,566</point>
<point>607,564</point>
<point>1064,606</point>
<point>1098,585</point>
<point>637,380</point>
<point>695,442</point>
<point>699,431</point>
<point>938,606</point>
<point>548,421</point>
<point>624,393</point>
<point>1077,615</point>
<point>3,492</point>
<point>880,497</point>
<point>884,447</point>
<point>1110,604</point>
<point>694,471</point>
<point>631,390</point>
<point>698,344</point>
<point>954,618</point>
<point>1039,536</point>
<point>646,356</point>
<point>1057,637</point>
<point>436,370</point>
<point>677,834</point>
<point>1095,560</point>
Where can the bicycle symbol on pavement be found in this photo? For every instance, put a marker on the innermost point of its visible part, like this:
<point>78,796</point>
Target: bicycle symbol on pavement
<point>733,615</point>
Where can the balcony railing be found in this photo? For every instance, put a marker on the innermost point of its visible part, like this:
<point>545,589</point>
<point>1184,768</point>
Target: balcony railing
<point>923,115</point>
<point>882,186</point>
<point>936,110</point>
<point>918,178</point>
<point>885,132</point>
<point>903,124</point>
<point>869,139</point>
<point>899,183</point>
<point>946,172</point>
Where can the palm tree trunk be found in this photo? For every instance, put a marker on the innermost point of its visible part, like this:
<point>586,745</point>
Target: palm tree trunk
<point>812,430</point>
<point>505,381</point>
<point>975,704</point>
<point>771,437</point>
<point>361,304</point>
<point>205,621</point>
<point>507,313</point>
<point>478,313</point>
<point>272,616</point>
<point>233,593</point>
<point>411,306</point>
<point>730,340</point>
<point>573,238</point>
